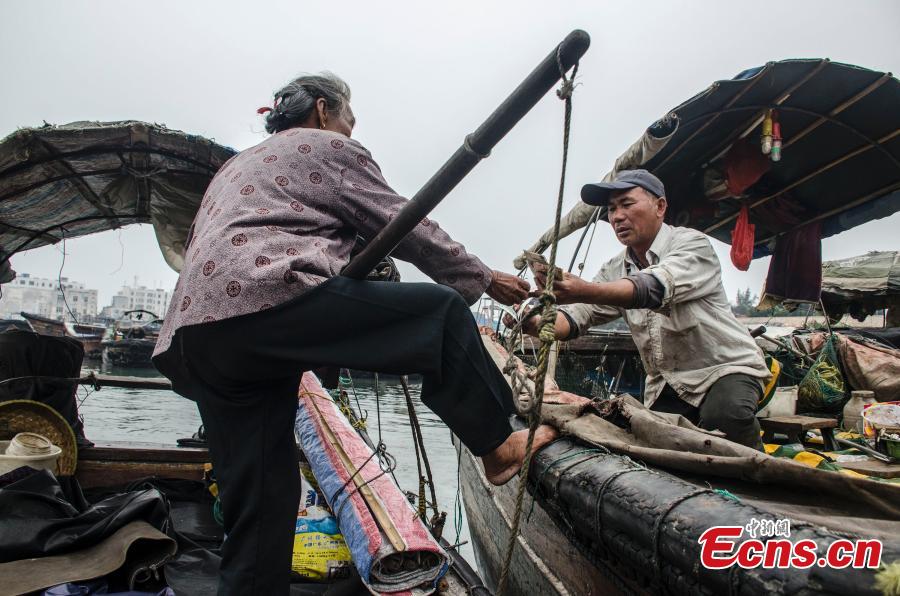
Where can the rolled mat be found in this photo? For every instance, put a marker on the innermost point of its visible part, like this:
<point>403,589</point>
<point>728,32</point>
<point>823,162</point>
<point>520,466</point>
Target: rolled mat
<point>392,550</point>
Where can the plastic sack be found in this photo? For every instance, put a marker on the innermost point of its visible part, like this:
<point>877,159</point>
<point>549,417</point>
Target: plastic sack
<point>742,239</point>
<point>320,552</point>
<point>823,388</point>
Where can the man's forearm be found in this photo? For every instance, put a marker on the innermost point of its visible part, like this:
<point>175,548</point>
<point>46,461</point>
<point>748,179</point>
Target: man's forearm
<point>613,293</point>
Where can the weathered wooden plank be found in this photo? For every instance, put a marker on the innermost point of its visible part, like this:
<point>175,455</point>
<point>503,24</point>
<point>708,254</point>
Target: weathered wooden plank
<point>593,342</point>
<point>93,473</point>
<point>143,452</point>
<point>873,468</point>
<point>126,382</point>
<point>795,423</point>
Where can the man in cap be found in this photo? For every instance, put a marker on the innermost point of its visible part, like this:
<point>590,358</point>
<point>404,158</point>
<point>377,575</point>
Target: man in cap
<point>666,284</point>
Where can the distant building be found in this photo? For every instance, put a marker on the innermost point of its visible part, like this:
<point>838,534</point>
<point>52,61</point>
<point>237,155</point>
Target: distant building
<point>137,298</point>
<point>40,296</point>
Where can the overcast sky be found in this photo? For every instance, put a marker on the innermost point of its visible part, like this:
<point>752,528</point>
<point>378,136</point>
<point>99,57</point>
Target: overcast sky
<point>423,74</point>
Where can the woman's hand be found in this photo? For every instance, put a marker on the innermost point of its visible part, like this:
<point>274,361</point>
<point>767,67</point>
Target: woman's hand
<point>506,288</point>
<point>569,289</point>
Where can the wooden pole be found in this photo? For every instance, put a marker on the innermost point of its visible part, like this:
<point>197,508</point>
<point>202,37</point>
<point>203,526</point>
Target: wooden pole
<point>476,147</point>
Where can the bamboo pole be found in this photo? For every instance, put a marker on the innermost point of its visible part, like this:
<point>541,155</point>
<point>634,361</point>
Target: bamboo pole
<point>810,176</point>
<point>839,108</point>
<point>750,124</point>
<point>378,511</point>
<point>759,76</point>
<point>880,192</point>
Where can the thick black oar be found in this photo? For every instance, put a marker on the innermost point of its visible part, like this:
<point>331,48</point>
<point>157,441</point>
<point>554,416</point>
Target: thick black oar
<point>476,147</point>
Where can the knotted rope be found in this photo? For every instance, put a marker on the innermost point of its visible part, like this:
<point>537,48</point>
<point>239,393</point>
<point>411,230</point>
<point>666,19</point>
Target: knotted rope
<point>547,330</point>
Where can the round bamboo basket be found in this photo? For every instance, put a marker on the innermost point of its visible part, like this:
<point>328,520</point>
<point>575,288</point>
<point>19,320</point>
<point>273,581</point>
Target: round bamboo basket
<point>27,416</point>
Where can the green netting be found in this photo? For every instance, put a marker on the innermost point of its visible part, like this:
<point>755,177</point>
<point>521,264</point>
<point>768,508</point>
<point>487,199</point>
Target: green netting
<point>823,388</point>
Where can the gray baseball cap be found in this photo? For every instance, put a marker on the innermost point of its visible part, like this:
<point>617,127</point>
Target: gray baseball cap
<point>599,193</point>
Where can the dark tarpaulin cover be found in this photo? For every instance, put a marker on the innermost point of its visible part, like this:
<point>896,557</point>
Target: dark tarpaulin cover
<point>26,354</point>
<point>39,519</point>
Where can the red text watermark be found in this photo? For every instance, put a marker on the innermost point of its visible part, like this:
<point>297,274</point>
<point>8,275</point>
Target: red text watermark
<point>766,543</point>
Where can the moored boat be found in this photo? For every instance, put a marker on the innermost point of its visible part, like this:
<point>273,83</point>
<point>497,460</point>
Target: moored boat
<point>89,335</point>
<point>130,341</point>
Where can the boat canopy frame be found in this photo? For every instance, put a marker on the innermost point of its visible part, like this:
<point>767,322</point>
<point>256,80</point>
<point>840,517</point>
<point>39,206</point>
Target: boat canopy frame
<point>66,181</point>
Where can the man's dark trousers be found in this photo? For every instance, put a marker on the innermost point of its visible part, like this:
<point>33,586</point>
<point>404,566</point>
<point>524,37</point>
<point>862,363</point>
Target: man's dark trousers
<point>729,406</point>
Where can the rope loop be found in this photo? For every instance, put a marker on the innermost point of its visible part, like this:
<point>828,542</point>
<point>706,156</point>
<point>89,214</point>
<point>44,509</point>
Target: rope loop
<point>565,90</point>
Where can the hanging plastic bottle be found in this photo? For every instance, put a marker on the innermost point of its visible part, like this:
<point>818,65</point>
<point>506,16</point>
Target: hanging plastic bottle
<point>767,133</point>
<point>776,141</point>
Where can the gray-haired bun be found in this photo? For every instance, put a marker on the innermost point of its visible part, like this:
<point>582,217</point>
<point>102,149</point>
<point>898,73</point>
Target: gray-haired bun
<point>297,100</point>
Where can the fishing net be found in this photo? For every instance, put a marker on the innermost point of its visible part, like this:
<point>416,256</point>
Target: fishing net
<point>823,388</point>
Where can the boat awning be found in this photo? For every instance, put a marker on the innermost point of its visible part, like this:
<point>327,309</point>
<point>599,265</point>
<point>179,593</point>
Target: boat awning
<point>863,284</point>
<point>62,182</point>
<point>840,160</point>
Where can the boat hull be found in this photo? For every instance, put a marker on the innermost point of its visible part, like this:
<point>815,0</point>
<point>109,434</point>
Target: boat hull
<point>128,353</point>
<point>604,524</point>
<point>544,560</point>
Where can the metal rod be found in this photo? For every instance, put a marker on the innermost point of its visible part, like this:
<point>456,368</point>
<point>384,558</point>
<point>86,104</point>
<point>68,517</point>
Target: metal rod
<point>476,147</point>
<point>867,450</point>
<point>592,220</point>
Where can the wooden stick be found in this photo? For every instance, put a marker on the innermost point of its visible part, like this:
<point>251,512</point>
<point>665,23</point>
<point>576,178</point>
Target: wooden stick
<point>101,381</point>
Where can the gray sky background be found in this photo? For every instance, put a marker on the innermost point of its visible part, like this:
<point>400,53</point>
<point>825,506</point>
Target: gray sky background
<point>423,74</point>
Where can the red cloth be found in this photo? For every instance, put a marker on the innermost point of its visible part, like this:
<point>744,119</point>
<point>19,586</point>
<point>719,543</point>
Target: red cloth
<point>742,238</point>
<point>795,272</point>
<point>744,165</point>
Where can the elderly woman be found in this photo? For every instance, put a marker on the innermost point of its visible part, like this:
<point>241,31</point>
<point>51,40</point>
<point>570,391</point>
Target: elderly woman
<point>260,299</point>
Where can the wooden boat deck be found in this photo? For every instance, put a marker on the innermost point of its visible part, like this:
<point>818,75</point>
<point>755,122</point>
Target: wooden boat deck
<point>121,462</point>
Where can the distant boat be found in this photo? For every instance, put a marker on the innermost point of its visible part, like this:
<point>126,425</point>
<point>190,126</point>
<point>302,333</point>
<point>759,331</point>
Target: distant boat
<point>89,335</point>
<point>6,324</point>
<point>131,340</point>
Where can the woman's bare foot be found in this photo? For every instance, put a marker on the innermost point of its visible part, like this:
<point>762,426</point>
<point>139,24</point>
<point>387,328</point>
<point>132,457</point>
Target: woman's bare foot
<point>504,462</point>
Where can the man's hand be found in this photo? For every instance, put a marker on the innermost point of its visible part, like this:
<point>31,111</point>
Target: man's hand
<point>506,288</point>
<point>570,289</point>
<point>530,325</point>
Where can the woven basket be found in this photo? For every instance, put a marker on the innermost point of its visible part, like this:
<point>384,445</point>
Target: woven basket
<point>23,415</point>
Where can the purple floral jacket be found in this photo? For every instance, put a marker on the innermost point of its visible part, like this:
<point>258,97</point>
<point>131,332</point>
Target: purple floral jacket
<point>282,217</point>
